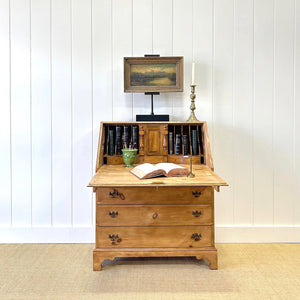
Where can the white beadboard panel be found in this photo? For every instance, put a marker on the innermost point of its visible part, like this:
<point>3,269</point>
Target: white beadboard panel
<point>263,103</point>
<point>163,45</point>
<point>202,56</point>
<point>102,66</point>
<point>82,112</point>
<point>41,112</point>
<point>20,112</point>
<point>284,112</point>
<point>5,173</point>
<point>223,130</point>
<point>122,47</point>
<point>183,46</point>
<point>243,112</point>
<point>163,27</point>
<point>142,43</point>
<point>61,112</point>
<point>101,70</point>
<point>62,74</point>
<point>142,34</point>
<point>297,114</point>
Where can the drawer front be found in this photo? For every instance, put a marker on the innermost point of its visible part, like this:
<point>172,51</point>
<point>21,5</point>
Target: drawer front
<point>149,237</point>
<point>154,195</point>
<point>144,215</point>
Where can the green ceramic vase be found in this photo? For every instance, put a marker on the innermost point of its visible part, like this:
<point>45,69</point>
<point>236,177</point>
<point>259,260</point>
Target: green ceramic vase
<point>129,156</point>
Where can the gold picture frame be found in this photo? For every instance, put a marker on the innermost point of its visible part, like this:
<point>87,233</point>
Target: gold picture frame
<point>153,74</point>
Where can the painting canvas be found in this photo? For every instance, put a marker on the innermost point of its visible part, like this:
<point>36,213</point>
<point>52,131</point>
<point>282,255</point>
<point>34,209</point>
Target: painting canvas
<point>156,74</point>
<point>153,74</point>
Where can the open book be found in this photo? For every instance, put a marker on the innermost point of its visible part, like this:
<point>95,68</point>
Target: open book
<point>147,170</point>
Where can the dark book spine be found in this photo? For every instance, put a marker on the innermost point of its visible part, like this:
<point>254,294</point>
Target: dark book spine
<point>171,144</point>
<point>178,144</point>
<point>118,140</point>
<point>126,137</point>
<point>194,142</point>
<point>185,144</point>
<point>135,137</point>
<point>111,146</point>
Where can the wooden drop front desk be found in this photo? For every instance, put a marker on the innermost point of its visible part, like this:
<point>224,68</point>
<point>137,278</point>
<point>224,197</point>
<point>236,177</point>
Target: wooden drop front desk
<point>156,217</point>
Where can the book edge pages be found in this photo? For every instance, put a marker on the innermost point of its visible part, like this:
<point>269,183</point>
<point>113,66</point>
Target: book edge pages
<point>178,172</point>
<point>156,173</point>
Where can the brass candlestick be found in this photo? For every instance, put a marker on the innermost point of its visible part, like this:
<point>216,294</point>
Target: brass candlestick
<point>191,175</point>
<point>192,117</point>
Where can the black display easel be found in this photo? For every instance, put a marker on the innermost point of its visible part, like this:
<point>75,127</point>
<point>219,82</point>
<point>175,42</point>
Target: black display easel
<point>152,116</point>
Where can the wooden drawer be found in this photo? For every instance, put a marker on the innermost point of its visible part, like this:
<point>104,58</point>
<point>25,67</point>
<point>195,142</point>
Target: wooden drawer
<point>154,195</point>
<point>143,215</point>
<point>149,237</point>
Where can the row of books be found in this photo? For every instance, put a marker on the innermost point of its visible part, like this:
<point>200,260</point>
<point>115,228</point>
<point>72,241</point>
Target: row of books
<point>128,137</point>
<point>181,145</point>
<point>119,140</point>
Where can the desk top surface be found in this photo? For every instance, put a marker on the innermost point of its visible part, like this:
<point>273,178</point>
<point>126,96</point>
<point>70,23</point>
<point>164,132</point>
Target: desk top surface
<point>118,175</point>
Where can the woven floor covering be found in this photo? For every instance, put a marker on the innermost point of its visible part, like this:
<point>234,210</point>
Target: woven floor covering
<point>64,271</point>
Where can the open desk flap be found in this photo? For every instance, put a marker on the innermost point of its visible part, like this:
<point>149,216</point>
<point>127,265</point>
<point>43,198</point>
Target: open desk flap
<point>118,175</point>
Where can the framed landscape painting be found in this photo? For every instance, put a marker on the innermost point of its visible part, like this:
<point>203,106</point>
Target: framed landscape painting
<point>153,74</point>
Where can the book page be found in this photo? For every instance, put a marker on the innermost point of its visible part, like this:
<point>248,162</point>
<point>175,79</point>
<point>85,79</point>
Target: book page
<point>168,166</point>
<point>147,170</point>
<point>143,169</point>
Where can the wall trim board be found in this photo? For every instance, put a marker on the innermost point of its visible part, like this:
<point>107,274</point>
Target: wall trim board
<point>47,235</point>
<point>257,234</point>
<point>224,234</point>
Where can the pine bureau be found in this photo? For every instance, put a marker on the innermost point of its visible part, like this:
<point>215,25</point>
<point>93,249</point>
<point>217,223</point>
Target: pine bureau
<point>156,217</point>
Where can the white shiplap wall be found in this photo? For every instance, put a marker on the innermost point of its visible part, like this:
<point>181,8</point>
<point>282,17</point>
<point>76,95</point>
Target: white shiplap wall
<point>62,73</point>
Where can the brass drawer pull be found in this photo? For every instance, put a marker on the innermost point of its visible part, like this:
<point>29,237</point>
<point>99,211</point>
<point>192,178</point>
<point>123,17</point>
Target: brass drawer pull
<point>196,236</point>
<point>113,214</point>
<point>197,213</point>
<point>155,215</point>
<point>114,239</point>
<point>115,194</point>
<point>196,194</point>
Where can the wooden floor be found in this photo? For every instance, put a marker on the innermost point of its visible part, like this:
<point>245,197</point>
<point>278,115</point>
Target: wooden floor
<point>64,271</point>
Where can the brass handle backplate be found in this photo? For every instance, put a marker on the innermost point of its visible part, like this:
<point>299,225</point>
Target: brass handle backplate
<point>197,213</point>
<point>196,194</point>
<point>115,194</point>
<point>113,214</point>
<point>196,236</point>
<point>114,239</point>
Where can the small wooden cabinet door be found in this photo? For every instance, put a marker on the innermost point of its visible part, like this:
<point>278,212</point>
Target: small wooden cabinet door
<point>153,140</point>
<point>156,140</point>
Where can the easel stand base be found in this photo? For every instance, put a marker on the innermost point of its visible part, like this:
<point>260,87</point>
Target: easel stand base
<point>151,118</point>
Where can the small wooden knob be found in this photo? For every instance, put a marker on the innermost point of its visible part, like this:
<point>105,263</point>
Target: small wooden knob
<point>155,215</point>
